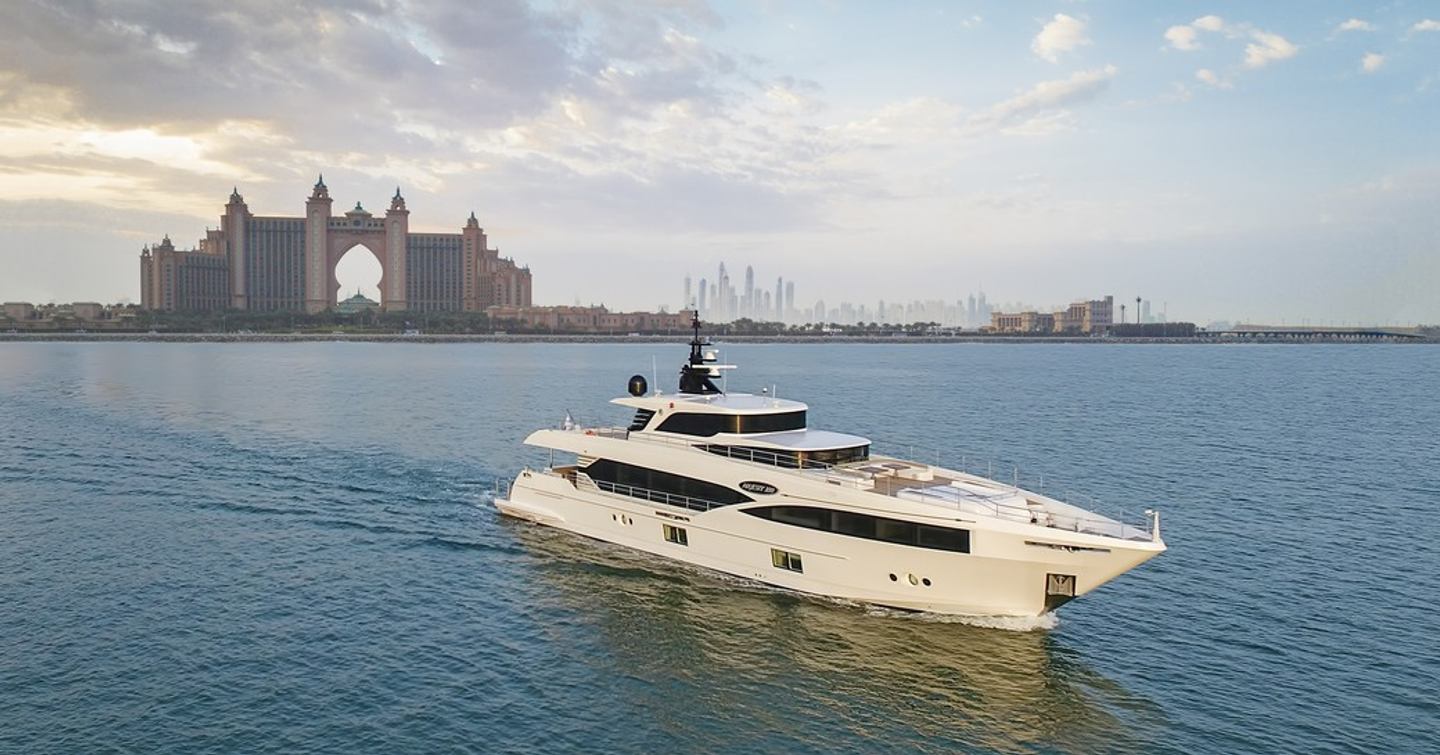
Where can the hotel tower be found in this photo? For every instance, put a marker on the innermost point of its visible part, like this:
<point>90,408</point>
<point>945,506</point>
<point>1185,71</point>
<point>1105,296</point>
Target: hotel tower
<point>274,263</point>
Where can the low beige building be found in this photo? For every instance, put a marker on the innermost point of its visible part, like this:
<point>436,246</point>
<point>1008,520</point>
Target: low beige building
<point>87,310</point>
<point>1022,322</point>
<point>19,310</point>
<point>1089,317</point>
<point>589,319</point>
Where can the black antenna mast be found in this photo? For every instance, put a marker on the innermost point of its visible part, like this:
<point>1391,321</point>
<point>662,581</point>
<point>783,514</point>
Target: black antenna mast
<point>695,374</point>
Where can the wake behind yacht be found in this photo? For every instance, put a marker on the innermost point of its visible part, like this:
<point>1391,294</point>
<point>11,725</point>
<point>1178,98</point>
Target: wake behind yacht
<point>741,483</point>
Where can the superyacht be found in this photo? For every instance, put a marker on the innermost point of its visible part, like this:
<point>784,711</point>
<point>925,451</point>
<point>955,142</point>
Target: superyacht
<point>741,483</point>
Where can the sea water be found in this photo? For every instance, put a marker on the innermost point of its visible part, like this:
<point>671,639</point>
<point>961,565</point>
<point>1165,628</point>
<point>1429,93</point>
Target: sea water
<point>272,548</point>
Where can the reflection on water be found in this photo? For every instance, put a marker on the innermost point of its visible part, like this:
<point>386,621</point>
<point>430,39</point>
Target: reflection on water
<point>800,668</point>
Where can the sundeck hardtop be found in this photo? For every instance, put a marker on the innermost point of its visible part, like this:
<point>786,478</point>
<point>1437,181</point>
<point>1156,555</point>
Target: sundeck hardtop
<point>702,410</point>
<point>717,403</point>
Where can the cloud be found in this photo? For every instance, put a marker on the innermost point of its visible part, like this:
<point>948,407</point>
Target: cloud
<point>1207,76</point>
<point>265,93</point>
<point>208,61</point>
<point>1428,24</point>
<point>1061,35</point>
<point>614,115</point>
<point>1043,107</point>
<point>370,67</point>
<point>1186,36</point>
<point>1355,24</point>
<point>1266,48</point>
<point>1372,62</point>
<point>935,127</point>
<point>1209,23</point>
<point>1183,37</point>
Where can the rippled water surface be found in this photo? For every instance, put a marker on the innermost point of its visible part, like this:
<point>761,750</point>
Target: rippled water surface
<point>290,548</point>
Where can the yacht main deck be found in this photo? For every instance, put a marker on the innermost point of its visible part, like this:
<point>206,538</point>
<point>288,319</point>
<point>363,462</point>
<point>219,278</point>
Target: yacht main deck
<point>919,482</point>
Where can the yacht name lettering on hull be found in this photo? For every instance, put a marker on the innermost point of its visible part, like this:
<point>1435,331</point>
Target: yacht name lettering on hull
<point>761,488</point>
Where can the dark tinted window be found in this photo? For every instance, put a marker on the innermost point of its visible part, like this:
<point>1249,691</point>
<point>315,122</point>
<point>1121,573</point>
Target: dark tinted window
<point>766,423</point>
<point>895,531</point>
<point>944,538</point>
<point>705,425</point>
<point>654,485</point>
<point>834,456</point>
<point>781,457</point>
<point>802,516</point>
<point>854,525</point>
<point>868,527</point>
<point>642,418</point>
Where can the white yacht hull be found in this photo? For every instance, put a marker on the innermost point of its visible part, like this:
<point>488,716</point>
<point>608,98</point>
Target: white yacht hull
<point>529,512</point>
<point>1010,570</point>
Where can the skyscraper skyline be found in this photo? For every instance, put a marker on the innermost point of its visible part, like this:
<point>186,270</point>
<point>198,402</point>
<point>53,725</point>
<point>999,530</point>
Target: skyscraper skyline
<point>724,303</point>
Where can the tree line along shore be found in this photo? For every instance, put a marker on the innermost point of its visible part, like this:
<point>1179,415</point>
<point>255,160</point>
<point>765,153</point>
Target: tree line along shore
<point>373,322</point>
<point>371,325</point>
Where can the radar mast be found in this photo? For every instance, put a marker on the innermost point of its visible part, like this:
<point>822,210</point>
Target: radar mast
<point>697,375</point>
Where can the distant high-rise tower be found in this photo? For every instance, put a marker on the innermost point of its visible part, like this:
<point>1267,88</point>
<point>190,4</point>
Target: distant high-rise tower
<point>972,318</point>
<point>1145,312</point>
<point>700,305</point>
<point>686,303</point>
<point>748,305</point>
<point>721,299</point>
<point>778,311</point>
<point>789,300</point>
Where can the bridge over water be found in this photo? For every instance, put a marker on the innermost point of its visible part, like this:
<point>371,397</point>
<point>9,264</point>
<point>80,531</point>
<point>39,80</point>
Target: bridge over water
<point>1305,333</point>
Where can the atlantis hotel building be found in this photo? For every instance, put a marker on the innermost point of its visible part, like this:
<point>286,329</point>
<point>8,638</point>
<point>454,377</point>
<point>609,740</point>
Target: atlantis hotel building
<point>271,263</point>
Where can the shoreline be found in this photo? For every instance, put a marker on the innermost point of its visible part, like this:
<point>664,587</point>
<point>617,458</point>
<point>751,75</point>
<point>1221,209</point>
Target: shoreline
<point>440,338</point>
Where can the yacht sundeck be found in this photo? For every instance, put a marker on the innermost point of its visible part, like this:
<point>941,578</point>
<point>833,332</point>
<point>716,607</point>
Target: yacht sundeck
<point>741,484</point>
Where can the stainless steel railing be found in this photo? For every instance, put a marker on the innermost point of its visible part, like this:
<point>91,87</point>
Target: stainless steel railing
<point>1097,524</point>
<point>654,496</point>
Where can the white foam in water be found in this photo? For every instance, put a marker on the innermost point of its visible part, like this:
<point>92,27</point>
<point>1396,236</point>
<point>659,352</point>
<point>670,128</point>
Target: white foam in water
<point>1007,623</point>
<point>1044,621</point>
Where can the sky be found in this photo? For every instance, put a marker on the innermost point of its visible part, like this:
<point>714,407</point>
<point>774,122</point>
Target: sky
<point>1275,162</point>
